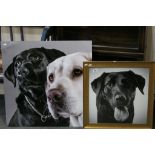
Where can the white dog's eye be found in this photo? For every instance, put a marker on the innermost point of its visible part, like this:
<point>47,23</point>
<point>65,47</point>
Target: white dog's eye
<point>77,72</point>
<point>51,77</point>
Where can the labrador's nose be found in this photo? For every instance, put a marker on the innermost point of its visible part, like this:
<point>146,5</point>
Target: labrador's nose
<point>55,95</point>
<point>121,100</point>
<point>25,71</point>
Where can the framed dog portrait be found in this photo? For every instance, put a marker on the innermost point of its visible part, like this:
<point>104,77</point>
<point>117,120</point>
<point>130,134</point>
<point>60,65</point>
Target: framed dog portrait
<point>43,83</point>
<point>118,94</point>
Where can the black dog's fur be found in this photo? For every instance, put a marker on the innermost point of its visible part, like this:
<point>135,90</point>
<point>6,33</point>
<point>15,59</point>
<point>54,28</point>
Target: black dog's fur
<point>116,90</point>
<point>28,69</point>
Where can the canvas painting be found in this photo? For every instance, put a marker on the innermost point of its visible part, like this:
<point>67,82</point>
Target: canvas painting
<point>43,83</point>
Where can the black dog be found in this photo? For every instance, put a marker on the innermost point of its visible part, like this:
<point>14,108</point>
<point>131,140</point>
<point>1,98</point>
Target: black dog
<point>28,69</point>
<point>115,93</point>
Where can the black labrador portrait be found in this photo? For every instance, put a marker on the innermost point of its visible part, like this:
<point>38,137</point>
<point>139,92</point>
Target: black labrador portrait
<point>115,94</point>
<point>28,72</point>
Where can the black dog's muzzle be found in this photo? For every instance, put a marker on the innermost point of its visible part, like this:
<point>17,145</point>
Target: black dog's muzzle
<point>25,70</point>
<point>120,100</point>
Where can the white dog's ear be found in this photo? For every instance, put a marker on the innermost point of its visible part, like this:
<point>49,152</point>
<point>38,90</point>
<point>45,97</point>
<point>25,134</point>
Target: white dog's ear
<point>88,56</point>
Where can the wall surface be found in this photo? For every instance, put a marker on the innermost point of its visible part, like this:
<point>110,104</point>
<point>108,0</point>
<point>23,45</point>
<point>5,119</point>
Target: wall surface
<point>30,33</point>
<point>34,34</point>
<point>150,44</point>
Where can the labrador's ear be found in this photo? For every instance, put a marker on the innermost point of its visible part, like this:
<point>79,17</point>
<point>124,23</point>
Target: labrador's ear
<point>9,74</point>
<point>97,83</point>
<point>52,54</point>
<point>138,80</point>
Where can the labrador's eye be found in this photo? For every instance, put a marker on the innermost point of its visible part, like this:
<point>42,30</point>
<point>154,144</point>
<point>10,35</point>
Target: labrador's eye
<point>35,58</point>
<point>51,77</point>
<point>18,63</point>
<point>109,85</point>
<point>77,72</point>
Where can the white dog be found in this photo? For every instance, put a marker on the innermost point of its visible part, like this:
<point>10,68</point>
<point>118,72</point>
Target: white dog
<point>64,88</point>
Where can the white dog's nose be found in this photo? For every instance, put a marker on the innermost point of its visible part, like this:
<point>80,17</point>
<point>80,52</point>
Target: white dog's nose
<point>54,95</point>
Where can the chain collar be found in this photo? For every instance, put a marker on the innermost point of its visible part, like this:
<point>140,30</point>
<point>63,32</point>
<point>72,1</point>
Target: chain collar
<point>42,116</point>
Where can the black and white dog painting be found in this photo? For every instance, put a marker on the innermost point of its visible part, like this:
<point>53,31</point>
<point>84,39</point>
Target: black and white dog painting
<point>25,76</point>
<point>115,92</point>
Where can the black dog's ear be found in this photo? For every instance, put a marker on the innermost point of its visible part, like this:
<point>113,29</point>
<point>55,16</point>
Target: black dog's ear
<point>9,74</point>
<point>96,84</point>
<point>52,54</point>
<point>138,80</point>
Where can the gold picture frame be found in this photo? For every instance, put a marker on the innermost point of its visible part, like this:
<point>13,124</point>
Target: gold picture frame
<point>143,116</point>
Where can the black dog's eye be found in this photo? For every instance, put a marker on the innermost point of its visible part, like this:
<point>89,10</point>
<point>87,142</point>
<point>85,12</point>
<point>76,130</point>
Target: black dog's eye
<point>18,63</point>
<point>77,72</point>
<point>35,58</point>
<point>109,85</point>
<point>51,77</point>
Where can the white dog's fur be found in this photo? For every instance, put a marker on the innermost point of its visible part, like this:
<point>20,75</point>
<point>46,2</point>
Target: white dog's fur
<point>62,69</point>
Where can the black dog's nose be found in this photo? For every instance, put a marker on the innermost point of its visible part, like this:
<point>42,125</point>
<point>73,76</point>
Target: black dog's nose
<point>120,100</point>
<point>55,95</point>
<point>25,71</point>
